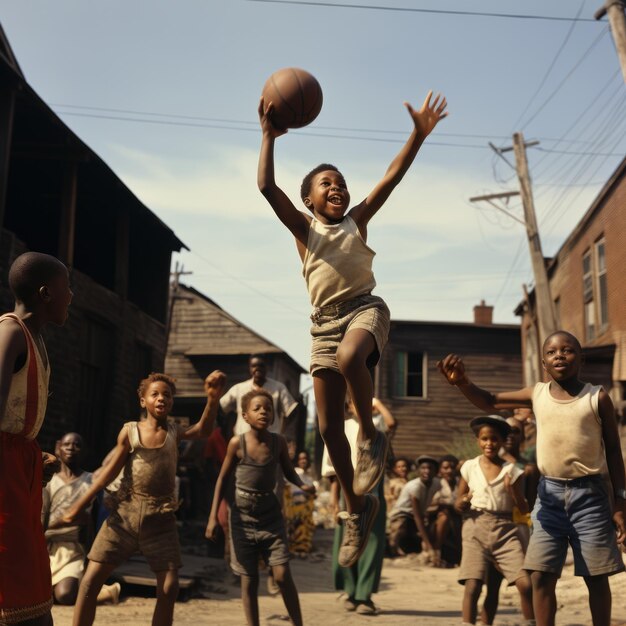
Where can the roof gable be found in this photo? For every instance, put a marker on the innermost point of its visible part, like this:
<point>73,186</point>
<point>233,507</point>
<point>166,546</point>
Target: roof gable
<point>6,54</point>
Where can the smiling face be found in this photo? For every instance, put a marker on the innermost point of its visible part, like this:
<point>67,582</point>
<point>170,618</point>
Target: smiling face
<point>157,399</point>
<point>259,413</point>
<point>401,468</point>
<point>427,471</point>
<point>490,441</point>
<point>447,470</point>
<point>328,197</point>
<point>562,356</point>
<point>303,460</point>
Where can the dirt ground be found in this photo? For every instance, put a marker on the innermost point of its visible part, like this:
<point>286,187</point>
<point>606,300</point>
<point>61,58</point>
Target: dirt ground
<point>409,593</point>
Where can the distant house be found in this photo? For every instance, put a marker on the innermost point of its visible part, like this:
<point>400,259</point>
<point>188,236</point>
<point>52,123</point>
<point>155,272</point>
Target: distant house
<point>432,415</point>
<point>57,196</point>
<point>204,337</point>
<point>587,279</point>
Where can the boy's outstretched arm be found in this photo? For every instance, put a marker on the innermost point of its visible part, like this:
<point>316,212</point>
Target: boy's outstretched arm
<point>214,388</point>
<point>227,467</point>
<point>288,470</point>
<point>424,121</point>
<point>453,368</point>
<point>284,208</point>
<point>614,461</point>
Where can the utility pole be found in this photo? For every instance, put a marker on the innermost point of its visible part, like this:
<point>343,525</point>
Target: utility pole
<point>546,317</point>
<point>614,9</point>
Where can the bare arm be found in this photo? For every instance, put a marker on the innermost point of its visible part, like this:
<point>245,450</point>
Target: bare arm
<point>419,522</point>
<point>214,387</point>
<point>424,122</point>
<point>104,476</point>
<point>288,470</point>
<point>453,369</point>
<point>12,347</point>
<point>614,460</point>
<point>390,421</point>
<point>296,221</point>
<point>227,468</point>
<point>463,496</point>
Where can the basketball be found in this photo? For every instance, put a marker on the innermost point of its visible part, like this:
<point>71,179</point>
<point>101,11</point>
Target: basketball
<point>296,96</point>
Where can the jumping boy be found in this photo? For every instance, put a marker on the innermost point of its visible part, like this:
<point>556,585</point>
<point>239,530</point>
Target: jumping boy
<point>143,520</point>
<point>577,441</point>
<point>41,287</point>
<point>350,325</point>
<point>488,490</point>
<point>257,527</point>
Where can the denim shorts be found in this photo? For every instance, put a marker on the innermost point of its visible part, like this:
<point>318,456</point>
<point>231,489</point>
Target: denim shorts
<point>578,512</point>
<point>332,322</point>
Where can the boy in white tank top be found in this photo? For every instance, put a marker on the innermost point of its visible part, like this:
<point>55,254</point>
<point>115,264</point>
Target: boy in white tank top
<point>350,326</point>
<point>577,443</point>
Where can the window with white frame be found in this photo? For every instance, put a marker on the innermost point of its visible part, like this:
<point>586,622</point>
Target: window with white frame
<point>410,374</point>
<point>588,303</point>
<point>601,286</point>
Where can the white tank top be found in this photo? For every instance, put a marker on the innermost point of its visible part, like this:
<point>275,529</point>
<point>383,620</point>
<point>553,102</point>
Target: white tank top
<point>569,433</point>
<point>337,264</point>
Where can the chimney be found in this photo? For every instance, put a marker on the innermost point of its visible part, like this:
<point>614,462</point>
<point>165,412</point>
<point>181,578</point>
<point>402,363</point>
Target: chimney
<point>483,314</point>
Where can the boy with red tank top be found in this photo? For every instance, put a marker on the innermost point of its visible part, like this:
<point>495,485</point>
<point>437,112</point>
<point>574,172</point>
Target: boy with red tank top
<point>41,287</point>
<point>577,443</point>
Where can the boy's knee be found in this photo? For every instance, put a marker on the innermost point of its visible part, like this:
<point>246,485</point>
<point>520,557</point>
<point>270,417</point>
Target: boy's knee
<point>281,574</point>
<point>65,597</point>
<point>330,430</point>
<point>169,588</point>
<point>473,588</point>
<point>523,584</point>
<point>597,584</point>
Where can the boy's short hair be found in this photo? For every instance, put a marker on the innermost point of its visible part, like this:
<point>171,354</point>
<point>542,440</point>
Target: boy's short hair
<point>495,421</point>
<point>156,377</point>
<point>31,271</point>
<point>247,398</point>
<point>305,187</point>
<point>562,332</point>
<point>450,458</point>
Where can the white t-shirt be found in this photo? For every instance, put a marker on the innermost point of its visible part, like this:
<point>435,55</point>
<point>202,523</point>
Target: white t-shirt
<point>284,403</point>
<point>417,489</point>
<point>489,496</point>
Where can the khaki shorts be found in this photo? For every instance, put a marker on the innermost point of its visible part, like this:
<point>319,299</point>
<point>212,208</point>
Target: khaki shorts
<point>67,560</point>
<point>138,525</point>
<point>491,538</point>
<point>332,322</point>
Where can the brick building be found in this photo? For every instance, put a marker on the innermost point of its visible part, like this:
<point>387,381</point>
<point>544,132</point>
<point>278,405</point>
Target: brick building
<point>432,415</point>
<point>587,277</point>
<point>57,196</point>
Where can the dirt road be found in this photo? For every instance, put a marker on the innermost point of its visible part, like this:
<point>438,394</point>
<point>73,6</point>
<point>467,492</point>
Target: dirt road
<point>409,594</point>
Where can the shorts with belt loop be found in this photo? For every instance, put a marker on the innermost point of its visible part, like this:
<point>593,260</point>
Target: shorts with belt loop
<point>332,322</point>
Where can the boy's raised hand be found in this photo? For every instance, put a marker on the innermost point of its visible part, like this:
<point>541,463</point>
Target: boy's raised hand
<point>265,117</point>
<point>214,384</point>
<point>431,113</point>
<point>453,368</point>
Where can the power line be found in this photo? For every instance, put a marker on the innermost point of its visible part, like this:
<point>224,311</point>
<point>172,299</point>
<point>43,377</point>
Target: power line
<point>554,18</point>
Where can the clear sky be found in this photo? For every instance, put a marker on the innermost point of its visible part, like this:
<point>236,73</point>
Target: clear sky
<point>167,92</point>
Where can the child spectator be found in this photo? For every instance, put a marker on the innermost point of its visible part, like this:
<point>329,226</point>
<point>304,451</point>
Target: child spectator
<point>66,544</point>
<point>408,519</point>
<point>41,287</point>
<point>257,527</point>
<point>442,512</point>
<point>350,325</point>
<point>299,506</point>
<point>144,519</point>
<point>397,480</point>
<point>489,488</point>
<point>577,441</point>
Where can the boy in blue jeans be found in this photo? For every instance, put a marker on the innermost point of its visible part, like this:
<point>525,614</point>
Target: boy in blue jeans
<point>577,442</point>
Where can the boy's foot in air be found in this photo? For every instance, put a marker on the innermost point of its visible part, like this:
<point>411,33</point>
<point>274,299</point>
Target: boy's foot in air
<point>356,530</point>
<point>371,457</point>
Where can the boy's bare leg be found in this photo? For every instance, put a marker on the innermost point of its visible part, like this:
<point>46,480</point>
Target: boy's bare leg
<point>90,585</point>
<point>167,592</point>
<point>525,588</point>
<point>284,580</point>
<point>490,604</point>
<point>544,597</point>
<point>352,355</point>
<point>330,396</point>
<point>599,599</point>
<point>250,598</point>
<point>471,594</point>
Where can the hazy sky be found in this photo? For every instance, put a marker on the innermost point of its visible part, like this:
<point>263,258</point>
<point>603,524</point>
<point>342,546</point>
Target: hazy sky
<point>167,92</point>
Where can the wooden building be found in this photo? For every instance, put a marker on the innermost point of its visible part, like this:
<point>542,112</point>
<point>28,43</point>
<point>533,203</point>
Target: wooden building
<point>203,337</point>
<point>432,415</point>
<point>57,196</point>
<point>587,277</point>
